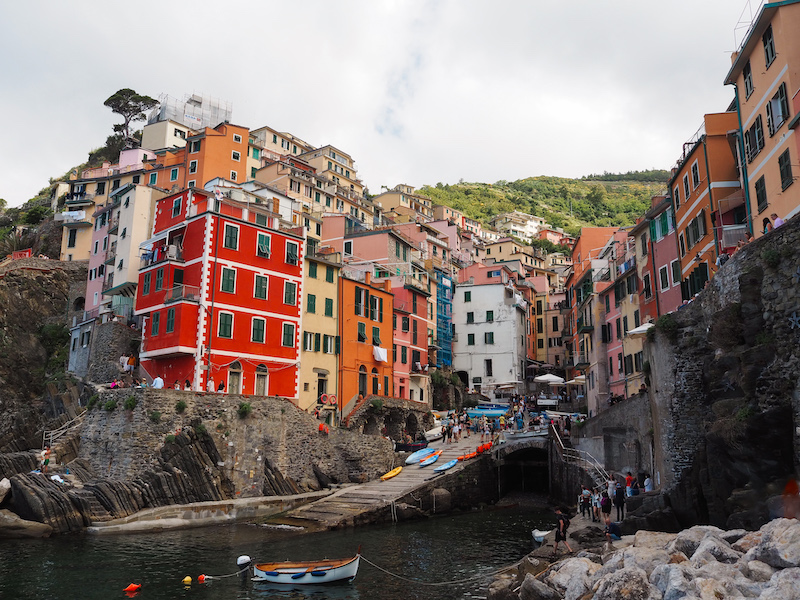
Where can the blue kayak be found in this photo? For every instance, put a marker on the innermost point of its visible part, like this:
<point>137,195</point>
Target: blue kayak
<point>448,465</point>
<point>431,459</point>
<point>419,455</point>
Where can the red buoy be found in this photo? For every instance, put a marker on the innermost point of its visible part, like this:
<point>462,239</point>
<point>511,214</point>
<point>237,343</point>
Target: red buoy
<point>133,587</point>
<point>201,579</point>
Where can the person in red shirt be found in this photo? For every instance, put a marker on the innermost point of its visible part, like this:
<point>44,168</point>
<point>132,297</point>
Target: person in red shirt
<point>629,484</point>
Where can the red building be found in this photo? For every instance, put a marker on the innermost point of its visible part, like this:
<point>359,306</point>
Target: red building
<point>220,287</point>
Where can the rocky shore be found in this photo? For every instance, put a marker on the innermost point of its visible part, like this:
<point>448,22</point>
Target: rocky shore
<point>702,562</point>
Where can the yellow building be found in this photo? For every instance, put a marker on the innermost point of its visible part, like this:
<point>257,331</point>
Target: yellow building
<point>319,356</point>
<point>403,200</point>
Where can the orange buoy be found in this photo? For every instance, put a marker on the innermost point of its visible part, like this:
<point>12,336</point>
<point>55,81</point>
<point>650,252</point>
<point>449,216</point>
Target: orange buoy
<point>133,587</point>
<point>201,579</point>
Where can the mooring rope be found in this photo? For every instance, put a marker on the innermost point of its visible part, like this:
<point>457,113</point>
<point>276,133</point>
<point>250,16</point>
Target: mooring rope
<point>242,570</point>
<point>418,582</point>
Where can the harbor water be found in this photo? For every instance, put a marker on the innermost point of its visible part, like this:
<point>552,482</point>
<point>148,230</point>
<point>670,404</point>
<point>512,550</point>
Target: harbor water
<point>449,550</point>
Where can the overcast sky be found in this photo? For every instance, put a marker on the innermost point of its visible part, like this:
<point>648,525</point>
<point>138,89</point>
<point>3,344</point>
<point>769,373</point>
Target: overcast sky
<point>417,92</point>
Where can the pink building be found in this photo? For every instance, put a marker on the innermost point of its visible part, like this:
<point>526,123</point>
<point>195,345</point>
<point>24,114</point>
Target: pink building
<point>101,250</point>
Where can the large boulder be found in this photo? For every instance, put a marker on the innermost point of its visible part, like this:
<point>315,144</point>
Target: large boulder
<point>533,589</point>
<point>646,559</point>
<point>653,539</point>
<point>673,581</point>
<point>572,577</point>
<point>784,585</point>
<point>779,545</point>
<point>5,488</point>
<point>630,583</point>
<point>717,548</point>
<point>501,588</point>
<point>12,526</point>
<point>757,570</point>
<point>688,540</point>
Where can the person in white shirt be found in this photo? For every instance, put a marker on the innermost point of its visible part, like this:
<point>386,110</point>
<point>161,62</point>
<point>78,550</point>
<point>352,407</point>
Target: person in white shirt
<point>776,220</point>
<point>158,383</point>
<point>210,387</point>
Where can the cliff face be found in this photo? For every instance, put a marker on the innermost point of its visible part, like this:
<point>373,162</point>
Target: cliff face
<point>725,389</point>
<point>34,305</point>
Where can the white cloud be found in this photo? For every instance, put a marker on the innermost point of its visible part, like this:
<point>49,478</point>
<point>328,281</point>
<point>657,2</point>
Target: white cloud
<point>417,92</point>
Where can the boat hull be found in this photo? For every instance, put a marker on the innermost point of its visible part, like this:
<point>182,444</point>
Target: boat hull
<point>308,573</point>
<point>409,447</point>
<point>431,459</point>
<point>448,465</point>
<point>419,455</point>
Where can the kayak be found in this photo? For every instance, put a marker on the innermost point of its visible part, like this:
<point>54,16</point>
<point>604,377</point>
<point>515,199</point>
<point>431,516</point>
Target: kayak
<point>448,465</point>
<point>419,455</point>
<point>392,473</point>
<point>431,459</point>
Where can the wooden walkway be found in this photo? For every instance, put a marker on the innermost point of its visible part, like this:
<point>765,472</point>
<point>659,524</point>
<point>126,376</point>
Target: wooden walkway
<point>347,505</point>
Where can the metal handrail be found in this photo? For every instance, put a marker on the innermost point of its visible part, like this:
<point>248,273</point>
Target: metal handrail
<point>587,462</point>
<point>49,437</point>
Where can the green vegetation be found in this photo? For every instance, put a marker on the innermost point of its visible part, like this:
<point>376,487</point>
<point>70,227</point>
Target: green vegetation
<point>55,340</point>
<point>376,403</point>
<point>201,430</point>
<point>597,200</point>
<point>180,406</point>
<point>745,413</point>
<point>130,402</point>
<point>131,107</point>
<point>110,405</point>
<point>169,438</point>
<point>667,325</point>
<point>771,257</point>
<point>244,409</point>
<point>155,416</point>
<point>92,401</point>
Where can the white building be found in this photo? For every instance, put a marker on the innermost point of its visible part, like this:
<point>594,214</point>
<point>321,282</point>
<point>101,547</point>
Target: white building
<point>489,340</point>
<point>518,224</point>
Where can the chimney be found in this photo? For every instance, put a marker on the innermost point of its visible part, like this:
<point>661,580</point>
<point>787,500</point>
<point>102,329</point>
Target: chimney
<point>367,277</point>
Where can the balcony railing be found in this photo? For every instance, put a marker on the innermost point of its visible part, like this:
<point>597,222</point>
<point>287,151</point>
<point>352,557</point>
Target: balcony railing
<point>732,235</point>
<point>159,255</point>
<point>178,293</point>
<point>585,325</point>
<point>578,360</point>
<point>111,253</point>
<point>108,283</point>
<point>419,282</point>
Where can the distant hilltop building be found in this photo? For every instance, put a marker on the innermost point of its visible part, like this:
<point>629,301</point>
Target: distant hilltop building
<point>519,224</point>
<point>194,111</point>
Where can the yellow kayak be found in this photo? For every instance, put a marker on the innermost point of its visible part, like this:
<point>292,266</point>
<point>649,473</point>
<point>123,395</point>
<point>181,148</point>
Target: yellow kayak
<point>392,473</point>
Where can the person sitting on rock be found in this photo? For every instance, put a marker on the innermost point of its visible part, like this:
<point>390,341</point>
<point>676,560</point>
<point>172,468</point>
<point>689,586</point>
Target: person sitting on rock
<point>612,530</point>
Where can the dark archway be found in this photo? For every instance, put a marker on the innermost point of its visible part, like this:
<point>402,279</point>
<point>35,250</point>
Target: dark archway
<point>79,304</point>
<point>371,426</point>
<point>412,426</point>
<point>525,470</point>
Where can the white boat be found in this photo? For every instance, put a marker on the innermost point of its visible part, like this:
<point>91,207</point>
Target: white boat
<point>538,536</point>
<point>435,433</point>
<point>312,572</point>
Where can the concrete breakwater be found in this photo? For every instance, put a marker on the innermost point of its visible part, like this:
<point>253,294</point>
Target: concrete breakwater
<point>699,562</point>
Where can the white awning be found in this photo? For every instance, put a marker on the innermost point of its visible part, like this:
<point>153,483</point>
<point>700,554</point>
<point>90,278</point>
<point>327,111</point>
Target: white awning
<point>548,378</point>
<point>640,330</point>
<point>380,354</point>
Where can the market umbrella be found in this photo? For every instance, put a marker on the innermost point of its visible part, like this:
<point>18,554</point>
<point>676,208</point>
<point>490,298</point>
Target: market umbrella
<point>548,378</point>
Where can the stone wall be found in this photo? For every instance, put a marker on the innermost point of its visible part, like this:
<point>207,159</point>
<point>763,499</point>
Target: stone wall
<point>111,340</point>
<point>566,479</point>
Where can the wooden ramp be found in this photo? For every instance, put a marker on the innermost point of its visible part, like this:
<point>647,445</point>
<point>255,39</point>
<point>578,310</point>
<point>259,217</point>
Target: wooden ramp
<point>348,505</point>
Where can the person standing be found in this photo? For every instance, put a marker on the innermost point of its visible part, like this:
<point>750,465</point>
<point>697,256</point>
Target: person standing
<point>158,383</point>
<point>648,483</point>
<point>612,486</point>
<point>766,225</point>
<point>619,502</point>
<point>776,220</point>
<point>210,387</point>
<point>629,479</point>
<point>561,531</point>
<point>605,506</point>
<point>586,501</point>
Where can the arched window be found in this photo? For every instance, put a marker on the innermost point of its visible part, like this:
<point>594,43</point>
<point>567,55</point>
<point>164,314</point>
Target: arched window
<point>374,380</point>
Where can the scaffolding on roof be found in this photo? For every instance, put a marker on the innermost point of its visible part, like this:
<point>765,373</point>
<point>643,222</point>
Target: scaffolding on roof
<point>195,111</point>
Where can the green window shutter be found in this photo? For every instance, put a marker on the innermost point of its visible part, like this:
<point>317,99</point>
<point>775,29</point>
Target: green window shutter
<point>328,307</point>
<point>380,310</point>
<point>312,270</point>
<point>312,303</point>
<point>337,345</point>
<point>664,223</point>
<point>317,341</point>
<point>329,274</point>
<point>652,230</point>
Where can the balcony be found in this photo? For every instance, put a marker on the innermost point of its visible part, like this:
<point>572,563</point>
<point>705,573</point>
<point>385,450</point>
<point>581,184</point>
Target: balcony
<point>732,235</point>
<point>563,307</point>
<point>113,225</point>
<point>111,253</point>
<point>182,293</point>
<point>108,283</point>
<point>585,325</point>
<point>579,361</point>
<point>160,255</point>
<point>419,282</point>
<point>79,199</point>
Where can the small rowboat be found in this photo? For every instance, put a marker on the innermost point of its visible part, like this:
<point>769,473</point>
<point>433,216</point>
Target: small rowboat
<point>448,465</point>
<point>308,572</point>
<point>419,455</point>
<point>431,459</point>
<point>467,456</point>
<point>392,473</point>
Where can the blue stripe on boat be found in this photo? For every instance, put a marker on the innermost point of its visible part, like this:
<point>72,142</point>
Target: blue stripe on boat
<point>299,575</point>
<point>319,573</point>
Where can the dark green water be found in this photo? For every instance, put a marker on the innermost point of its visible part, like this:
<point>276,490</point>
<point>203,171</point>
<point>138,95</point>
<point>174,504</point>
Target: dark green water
<point>435,550</point>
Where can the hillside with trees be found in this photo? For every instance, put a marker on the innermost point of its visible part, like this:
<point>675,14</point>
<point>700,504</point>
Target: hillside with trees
<point>596,200</point>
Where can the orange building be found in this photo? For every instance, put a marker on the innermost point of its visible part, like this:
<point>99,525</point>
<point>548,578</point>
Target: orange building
<point>764,73</point>
<point>365,326</point>
<point>708,201</point>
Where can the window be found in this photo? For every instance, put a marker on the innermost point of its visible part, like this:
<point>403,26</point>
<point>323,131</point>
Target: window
<point>253,171</point>
<point>754,139</point>
<point>136,178</point>
<point>311,304</point>
<point>156,321</point>
<point>72,238</point>
<point>146,284</point>
<point>676,272</point>
<point>287,340</point>
<point>676,193</point>
<point>695,175</point>
<point>237,138</point>
<point>101,188</point>
<point>348,248</point>
<point>777,110</point>
<point>686,189</point>
<point>555,321</point>
<point>312,270</point>
<point>490,316</point>
<point>761,194</point>
<point>328,307</point>
<point>636,319</point>
<point>488,337</point>
<point>376,336</point>
<point>153,179</point>
<point>262,245</point>
<point>487,367</point>
<point>236,156</point>
<point>362,332</point>
<point>115,184</point>
<point>769,46</point>
<point>619,329</point>
<point>291,253</point>
<point>225,329</point>
<point>404,324</point>
<point>308,340</point>
<point>682,245</point>
<point>785,167</point>
<point>624,325</point>
<point>173,174</point>
<point>260,287</point>
<point>194,146</point>
<point>470,339</point>
<point>403,355</point>
<point>289,293</point>
<point>317,342</point>
<point>467,296</point>
<point>233,175</point>
<point>663,275</point>
<point>327,344</point>
<point>611,366</point>
<point>170,321</point>
<point>193,166</point>
<point>231,238</point>
<point>648,291</point>
<point>159,279</point>
<point>329,274</point>
<point>259,328</point>
<point>470,317</point>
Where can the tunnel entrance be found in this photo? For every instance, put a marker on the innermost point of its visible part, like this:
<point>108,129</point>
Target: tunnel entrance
<point>525,471</point>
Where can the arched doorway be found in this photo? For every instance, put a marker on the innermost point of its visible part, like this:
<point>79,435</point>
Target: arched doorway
<point>375,384</point>
<point>235,378</point>
<point>362,381</point>
<point>262,380</point>
<point>79,304</point>
<point>412,426</point>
